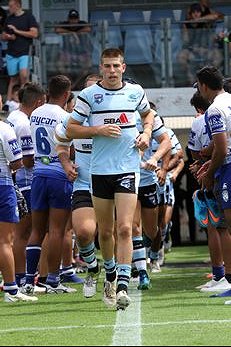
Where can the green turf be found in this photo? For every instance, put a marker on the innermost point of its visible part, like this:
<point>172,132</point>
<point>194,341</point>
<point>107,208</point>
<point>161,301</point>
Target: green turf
<point>172,299</point>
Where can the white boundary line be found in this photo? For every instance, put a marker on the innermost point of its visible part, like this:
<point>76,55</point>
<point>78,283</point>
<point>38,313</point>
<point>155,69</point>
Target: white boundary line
<point>125,333</point>
<point>111,326</point>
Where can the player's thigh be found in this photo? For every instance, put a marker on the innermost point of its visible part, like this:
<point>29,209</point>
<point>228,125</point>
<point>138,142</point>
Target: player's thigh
<point>105,213</point>
<point>125,208</point>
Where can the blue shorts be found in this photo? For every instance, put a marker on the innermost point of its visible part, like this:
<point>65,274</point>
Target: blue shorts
<point>224,187</point>
<point>49,192</point>
<point>8,205</point>
<point>27,196</point>
<point>16,64</point>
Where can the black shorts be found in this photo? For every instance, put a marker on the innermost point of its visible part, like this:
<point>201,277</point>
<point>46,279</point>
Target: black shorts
<point>148,196</point>
<point>105,186</point>
<point>80,199</point>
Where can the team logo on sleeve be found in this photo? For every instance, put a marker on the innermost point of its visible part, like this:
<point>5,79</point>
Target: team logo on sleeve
<point>98,98</point>
<point>14,146</point>
<point>215,122</point>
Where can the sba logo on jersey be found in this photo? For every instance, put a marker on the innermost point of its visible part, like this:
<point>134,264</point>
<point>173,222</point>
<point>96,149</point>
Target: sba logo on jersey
<point>123,119</point>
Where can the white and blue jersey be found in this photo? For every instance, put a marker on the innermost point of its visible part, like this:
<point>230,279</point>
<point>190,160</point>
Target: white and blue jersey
<point>101,106</point>
<point>199,136</point>
<point>147,176</point>
<point>10,151</point>
<point>218,120</point>
<point>43,122</point>
<point>21,124</point>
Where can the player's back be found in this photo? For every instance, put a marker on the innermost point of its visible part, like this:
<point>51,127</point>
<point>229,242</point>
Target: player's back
<point>43,122</point>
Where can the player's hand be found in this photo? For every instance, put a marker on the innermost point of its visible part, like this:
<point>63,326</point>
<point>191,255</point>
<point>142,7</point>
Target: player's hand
<point>70,170</point>
<point>161,175</point>
<point>110,130</point>
<point>142,141</point>
<point>150,164</point>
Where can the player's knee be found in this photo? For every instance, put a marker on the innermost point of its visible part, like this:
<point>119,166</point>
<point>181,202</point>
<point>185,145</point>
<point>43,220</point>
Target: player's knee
<point>84,237</point>
<point>124,231</point>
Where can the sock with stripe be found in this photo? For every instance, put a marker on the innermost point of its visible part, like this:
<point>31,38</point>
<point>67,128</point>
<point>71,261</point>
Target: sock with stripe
<point>88,255</point>
<point>153,255</point>
<point>110,268</point>
<point>10,288</point>
<point>20,279</point>
<point>32,260</point>
<point>124,274</point>
<point>68,270</point>
<point>53,279</point>
<point>218,272</point>
<point>139,253</point>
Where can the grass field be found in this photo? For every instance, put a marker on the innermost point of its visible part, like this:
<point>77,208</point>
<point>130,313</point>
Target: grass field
<point>172,313</point>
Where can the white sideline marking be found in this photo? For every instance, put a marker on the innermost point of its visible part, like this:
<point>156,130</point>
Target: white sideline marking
<point>127,333</point>
<point>109,326</point>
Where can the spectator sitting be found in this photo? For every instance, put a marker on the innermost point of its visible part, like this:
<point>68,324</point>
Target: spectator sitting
<point>208,13</point>
<point>20,28</point>
<point>198,41</point>
<point>13,104</point>
<point>75,24</point>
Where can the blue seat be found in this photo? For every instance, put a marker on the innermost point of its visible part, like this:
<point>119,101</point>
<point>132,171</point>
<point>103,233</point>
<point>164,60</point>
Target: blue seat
<point>95,16</point>
<point>131,16</point>
<point>113,34</point>
<point>161,13</point>
<point>138,46</point>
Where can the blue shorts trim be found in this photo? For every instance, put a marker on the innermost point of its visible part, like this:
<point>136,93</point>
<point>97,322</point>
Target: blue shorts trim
<point>16,64</point>
<point>224,187</point>
<point>49,192</point>
<point>8,205</point>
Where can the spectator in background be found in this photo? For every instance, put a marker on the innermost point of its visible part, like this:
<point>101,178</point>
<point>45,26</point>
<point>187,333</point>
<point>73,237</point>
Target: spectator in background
<point>13,104</point>
<point>208,12</point>
<point>20,28</point>
<point>3,16</point>
<point>73,24</point>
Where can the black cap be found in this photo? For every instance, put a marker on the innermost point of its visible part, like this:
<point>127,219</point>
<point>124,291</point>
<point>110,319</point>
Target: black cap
<point>73,14</point>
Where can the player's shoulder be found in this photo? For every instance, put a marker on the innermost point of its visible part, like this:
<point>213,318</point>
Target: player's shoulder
<point>6,130</point>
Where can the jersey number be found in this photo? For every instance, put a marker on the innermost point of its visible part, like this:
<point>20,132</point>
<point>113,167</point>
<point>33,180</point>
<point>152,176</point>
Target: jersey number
<point>42,143</point>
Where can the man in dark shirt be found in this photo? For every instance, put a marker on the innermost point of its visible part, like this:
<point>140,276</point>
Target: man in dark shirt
<point>76,25</point>
<point>20,28</point>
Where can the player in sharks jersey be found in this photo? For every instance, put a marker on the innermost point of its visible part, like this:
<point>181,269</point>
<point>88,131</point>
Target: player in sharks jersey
<point>147,197</point>
<point>10,159</point>
<point>31,97</point>
<point>50,190</point>
<point>110,106</point>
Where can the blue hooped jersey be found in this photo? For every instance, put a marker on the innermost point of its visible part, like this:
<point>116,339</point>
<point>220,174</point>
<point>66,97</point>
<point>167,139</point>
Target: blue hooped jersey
<point>10,151</point>
<point>83,149</point>
<point>147,176</point>
<point>175,147</point>
<point>21,124</point>
<point>101,106</point>
<point>43,122</point>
